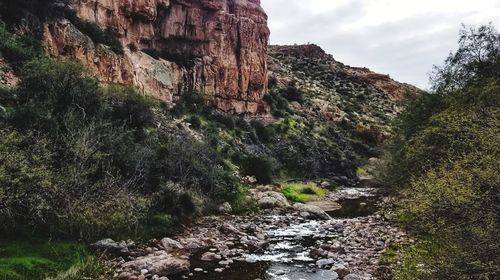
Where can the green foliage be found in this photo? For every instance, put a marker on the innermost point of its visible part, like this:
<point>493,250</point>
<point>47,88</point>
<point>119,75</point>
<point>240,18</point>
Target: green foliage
<point>264,133</point>
<point>407,262</point>
<point>261,167</point>
<point>243,203</point>
<point>360,171</point>
<point>18,49</point>
<point>35,259</point>
<point>194,164</point>
<point>302,193</point>
<point>195,122</point>
<point>127,106</point>
<point>279,105</point>
<point>95,32</point>
<point>272,82</point>
<point>314,152</point>
<point>190,102</point>
<point>477,58</point>
<point>51,90</point>
<point>132,47</point>
<point>444,164</point>
<point>87,268</point>
<point>152,52</point>
<point>292,93</point>
<point>82,161</point>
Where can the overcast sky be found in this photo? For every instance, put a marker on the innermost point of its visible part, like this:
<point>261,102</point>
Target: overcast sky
<point>403,38</point>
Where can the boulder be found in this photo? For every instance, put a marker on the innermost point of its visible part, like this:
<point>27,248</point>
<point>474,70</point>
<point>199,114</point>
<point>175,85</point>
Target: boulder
<point>170,245</point>
<point>229,229</point>
<point>210,257</point>
<point>314,211</point>
<point>225,208</point>
<point>111,247</point>
<point>272,199</point>
<point>159,263</point>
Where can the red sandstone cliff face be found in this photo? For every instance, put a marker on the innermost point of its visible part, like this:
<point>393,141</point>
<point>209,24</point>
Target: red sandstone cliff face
<point>217,47</point>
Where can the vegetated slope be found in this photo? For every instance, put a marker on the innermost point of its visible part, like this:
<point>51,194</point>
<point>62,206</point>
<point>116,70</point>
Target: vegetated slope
<point>328,120</point>
<point>332,105</point>
<point>334,91</point>
<point>444,163</point>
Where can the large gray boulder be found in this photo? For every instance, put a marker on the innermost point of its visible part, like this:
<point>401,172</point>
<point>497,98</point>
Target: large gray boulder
<point>312,210</point>
<point>111,247</point>
<point>225,208</point>
<point>170,245</point>
<point>270,199</point>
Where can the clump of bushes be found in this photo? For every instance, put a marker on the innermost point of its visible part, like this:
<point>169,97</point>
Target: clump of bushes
<point>190,102</point>
<point>262,168</point>
<point>279,105</point>
<point>18,49</point>
<point>443,162</point>
<point>292,93</point>
<point>79,160</point>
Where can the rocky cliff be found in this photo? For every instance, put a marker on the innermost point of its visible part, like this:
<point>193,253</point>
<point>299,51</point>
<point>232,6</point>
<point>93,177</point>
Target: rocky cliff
<point>216,47</point>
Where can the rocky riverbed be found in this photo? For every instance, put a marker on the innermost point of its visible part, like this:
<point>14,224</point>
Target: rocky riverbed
<point>282,242</point>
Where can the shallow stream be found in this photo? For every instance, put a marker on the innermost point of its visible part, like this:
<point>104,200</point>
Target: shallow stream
<point>292,241</point>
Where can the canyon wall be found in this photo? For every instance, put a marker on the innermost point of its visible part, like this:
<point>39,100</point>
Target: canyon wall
<point>216,47</point>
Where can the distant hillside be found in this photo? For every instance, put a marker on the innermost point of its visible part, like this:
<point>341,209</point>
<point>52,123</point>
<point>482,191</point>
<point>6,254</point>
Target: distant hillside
<point>337,92</point>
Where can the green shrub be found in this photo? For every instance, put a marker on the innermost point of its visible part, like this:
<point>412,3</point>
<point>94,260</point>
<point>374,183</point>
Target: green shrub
<point>132,47</point>
<point>195,165</point>
<point>272,82</point>
<point>302,193</point>
<point>291,93</point>
<point>227,121</point>
<point>195,122</point>
<point>279,105</point>
<point>444,164</point>
<point>18,49</point>
<point>85,162</point>
<point>49,90</point>
<point>187,204</point>
<point>261,168</point>
<point>190,102</point>
<point>130,107</point>
<point>264,133</point>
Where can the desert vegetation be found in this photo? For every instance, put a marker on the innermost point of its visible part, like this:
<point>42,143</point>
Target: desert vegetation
<point>444,165</point>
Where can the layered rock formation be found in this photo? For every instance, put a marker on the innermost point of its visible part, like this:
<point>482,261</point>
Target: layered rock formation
<point>216,47</point>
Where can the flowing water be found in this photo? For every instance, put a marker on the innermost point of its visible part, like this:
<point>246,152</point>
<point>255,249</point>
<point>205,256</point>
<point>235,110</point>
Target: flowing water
<point>292,241</point>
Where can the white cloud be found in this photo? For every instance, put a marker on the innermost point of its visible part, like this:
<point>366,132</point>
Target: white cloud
<point>399,37</point>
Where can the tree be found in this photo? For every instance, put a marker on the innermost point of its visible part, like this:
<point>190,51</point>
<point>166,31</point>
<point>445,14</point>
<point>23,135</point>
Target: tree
<point>477,58</point>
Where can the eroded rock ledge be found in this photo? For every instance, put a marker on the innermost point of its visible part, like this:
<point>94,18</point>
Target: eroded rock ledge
<point>216,47</point>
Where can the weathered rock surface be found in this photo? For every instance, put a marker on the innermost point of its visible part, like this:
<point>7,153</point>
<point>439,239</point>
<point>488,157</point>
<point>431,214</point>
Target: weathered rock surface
<point>271,199</point>
<point>216,47</point>
<point>170,245</point>
<point>312,211</point>
<point>225,208</point>
<point>111,247</point>
<point>159,263</point>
